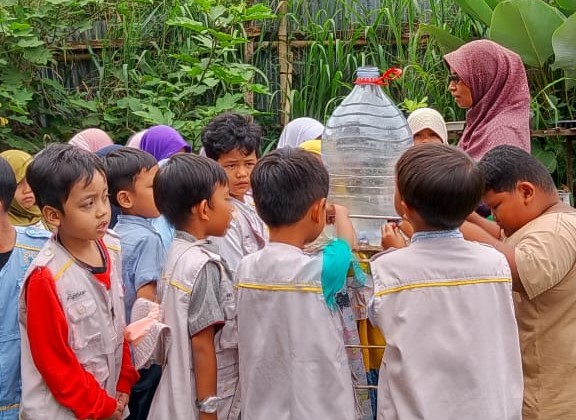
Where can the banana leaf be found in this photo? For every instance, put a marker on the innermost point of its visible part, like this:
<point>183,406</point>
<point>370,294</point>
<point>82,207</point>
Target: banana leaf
<point>564,44</point>
<point>478,9</point>
<point>446,41</point>
<point>526,27</point>
<point>567,4</point>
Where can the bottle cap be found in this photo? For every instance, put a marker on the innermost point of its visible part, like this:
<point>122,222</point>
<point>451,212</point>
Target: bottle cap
<point>371,76</point>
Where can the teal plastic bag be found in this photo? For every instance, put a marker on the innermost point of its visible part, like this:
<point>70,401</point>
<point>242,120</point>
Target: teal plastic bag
<point>337,258</point>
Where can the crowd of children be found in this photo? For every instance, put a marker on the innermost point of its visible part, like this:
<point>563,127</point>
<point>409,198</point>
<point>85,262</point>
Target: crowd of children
<point>221,293</point>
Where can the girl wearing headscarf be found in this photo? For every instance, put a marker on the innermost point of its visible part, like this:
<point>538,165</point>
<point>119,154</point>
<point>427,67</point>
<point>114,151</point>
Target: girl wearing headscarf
<point>428,126</point>
<point>162,141</point>
<point>135,139</point>
<point>490,81</point>
<point>300,130</point>
<point>91,139</point>
<point>23,211</point>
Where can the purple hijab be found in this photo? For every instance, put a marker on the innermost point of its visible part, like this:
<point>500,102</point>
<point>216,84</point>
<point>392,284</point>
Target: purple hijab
<point>162,141</point>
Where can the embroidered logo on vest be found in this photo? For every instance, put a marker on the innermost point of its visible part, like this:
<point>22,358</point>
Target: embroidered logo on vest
<point>75,295</point>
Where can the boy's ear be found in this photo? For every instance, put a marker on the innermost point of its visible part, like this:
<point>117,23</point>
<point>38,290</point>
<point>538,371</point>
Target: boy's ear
<point>527,190</point>
<point>124,199</point>
<point>318,211</point>
<point>52,215</point>
<point>202,210</point>
<point>406,211</point>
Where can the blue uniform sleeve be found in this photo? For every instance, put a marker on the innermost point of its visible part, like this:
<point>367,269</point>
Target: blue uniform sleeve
<point>150,258</point>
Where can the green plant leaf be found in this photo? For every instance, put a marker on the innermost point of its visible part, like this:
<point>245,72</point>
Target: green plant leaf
<point>567,4</point>
<point>217,11</point>
<point>227,102</point>
<point>564,44</point>
<point>492,3</point>
<point>548,159</point>
<point>29,43</point>
<point>478,9</point>
<point>526,27</point>
<point>38,55</point>
<point>187,23</point>
<point>446,41</point>
<point>89,105</point>
<point>258,11</point>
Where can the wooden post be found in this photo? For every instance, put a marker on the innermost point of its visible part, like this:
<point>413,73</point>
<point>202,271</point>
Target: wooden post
<point>248,56</point>
<point>569,166</point>
<point>284,56</point>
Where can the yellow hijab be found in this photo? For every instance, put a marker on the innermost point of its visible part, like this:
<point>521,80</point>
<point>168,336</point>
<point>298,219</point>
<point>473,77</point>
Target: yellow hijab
<point>314,146</point>
<point>19,216</point>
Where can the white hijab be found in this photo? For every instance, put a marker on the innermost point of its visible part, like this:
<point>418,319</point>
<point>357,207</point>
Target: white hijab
<point>298,131</point>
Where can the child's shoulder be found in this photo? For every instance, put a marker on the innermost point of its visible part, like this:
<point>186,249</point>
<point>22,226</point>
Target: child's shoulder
<point>552,224</point>
<point>31,237</point>
<point>112,240</point>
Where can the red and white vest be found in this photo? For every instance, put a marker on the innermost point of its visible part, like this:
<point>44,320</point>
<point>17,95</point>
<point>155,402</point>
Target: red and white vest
<point>95,318</point>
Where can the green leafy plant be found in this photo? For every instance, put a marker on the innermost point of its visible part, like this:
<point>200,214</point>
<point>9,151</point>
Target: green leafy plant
<point>543,34</point>
<point>172,62</point>
<point>410,105</point>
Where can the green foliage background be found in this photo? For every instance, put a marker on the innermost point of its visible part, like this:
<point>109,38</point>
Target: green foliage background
<point>180,62</point>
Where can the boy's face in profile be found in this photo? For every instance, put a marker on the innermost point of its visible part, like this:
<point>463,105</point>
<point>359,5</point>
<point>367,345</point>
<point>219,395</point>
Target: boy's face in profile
<point>509,209</point>
<point>142,194</point>
<point>238,167</point>
<point>219,211</point>
<point>86,212</point>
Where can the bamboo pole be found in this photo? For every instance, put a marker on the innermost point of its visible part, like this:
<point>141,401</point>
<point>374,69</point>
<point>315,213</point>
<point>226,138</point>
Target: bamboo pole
<point>285,63</point>
<point>248,57</point>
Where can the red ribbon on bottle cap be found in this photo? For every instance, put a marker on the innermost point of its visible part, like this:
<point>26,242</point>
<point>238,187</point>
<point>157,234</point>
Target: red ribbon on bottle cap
<point>390,74</point>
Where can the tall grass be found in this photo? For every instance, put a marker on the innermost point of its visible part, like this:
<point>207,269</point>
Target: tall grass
<point>346,34</point>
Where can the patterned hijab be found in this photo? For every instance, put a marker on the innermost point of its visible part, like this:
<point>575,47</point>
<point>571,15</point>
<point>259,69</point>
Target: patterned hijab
<point>19,216</point>
<point>500,113</point>
<point>162,141</point>
<point>92,139</point>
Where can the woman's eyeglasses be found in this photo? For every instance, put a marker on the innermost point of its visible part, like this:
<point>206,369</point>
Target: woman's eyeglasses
<point>454,78</point>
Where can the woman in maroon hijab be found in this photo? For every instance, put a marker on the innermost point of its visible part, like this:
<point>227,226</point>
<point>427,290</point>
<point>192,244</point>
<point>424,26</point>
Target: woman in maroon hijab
<point>490,81</point>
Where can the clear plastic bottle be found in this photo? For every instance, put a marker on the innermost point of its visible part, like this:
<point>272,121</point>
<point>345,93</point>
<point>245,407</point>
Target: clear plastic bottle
<point>362,141</point>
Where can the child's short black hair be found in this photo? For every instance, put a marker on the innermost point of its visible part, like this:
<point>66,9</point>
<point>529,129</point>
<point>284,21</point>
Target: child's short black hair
<point>183,183</point>
<point>230,131</point>
<point>440,182</point>
<point>7,184</point>
<point>56,169</point>
<point>285,183</point>
<point>123,166</point>
<point>504,166</point>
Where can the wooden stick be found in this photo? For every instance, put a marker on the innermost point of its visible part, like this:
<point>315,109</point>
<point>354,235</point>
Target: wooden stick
<point>285,63</point>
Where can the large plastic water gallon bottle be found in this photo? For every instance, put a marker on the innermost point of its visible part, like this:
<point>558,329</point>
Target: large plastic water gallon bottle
<point>362,141</point>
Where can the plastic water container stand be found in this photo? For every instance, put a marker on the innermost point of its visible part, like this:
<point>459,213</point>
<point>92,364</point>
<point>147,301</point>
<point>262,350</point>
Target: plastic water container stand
<point>362,141</point>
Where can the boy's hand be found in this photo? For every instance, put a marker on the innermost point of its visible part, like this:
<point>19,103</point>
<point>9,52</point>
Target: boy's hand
<point>392,237</point>
<point>118,413</point>
<point>335,211</point>
<point>122,399</point>
<point>330,213</point>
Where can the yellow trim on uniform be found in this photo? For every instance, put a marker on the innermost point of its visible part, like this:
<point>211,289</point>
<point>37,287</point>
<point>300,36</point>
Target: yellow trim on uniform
<point>113,248</point>
<point>281,287</point>
<point>442,284</point>
<point>9,407</point>
<point>63,269</point>
<point>179,286</point>
<point>29,248</point>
